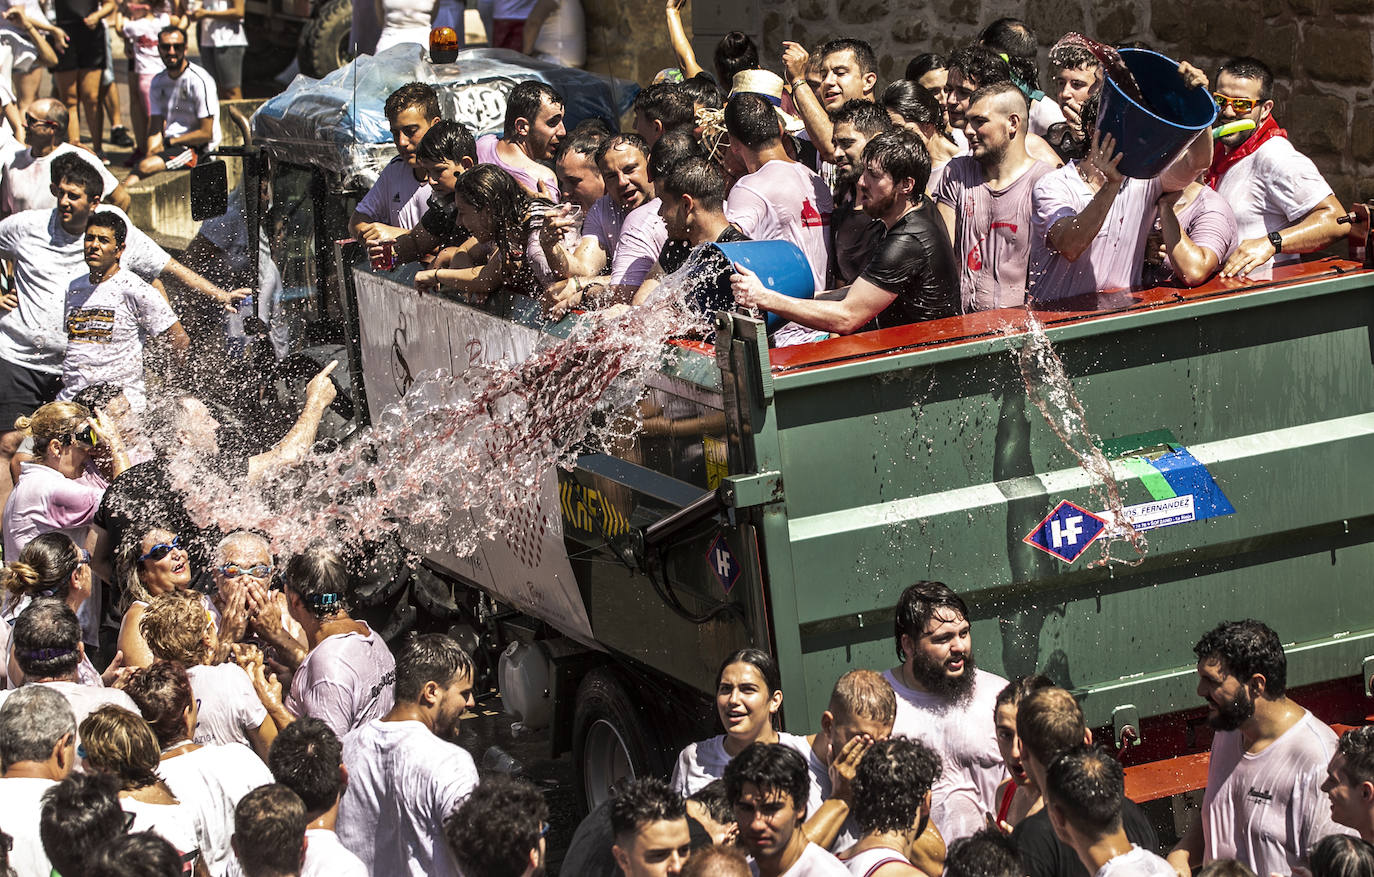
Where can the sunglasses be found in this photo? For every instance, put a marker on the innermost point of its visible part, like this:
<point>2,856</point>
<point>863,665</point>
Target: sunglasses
<point>233,571</point>
<point>85,557</point>
<point>1239,104</point>
<point>161,550</point>
<point>31,122</point>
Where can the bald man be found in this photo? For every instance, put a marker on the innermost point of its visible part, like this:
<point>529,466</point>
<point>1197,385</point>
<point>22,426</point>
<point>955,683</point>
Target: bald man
<point>985,200</point>
<point>24,176</point>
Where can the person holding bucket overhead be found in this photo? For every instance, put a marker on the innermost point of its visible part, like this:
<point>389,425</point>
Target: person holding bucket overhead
<point>1090,220</point>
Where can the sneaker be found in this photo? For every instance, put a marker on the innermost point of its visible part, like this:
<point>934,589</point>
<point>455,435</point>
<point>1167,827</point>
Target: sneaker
<point>120,137</point>
<point>104,159</point>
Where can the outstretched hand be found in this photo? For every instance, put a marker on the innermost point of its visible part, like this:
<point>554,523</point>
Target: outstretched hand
<point>794,59</point>
<point>321,389</point>
<point>1105,157</point>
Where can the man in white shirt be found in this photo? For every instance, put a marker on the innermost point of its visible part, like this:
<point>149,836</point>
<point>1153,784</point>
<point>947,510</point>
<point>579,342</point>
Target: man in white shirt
<point>395,203</point>
<point>1083,792</point>
<point>1349,782</point>
<point>767,784</point>
<point>946,702</point>
<point>1263,805</point>
<point>307,758</point>
<point>269,832</point>
<point>1282,204</point>
<point>24,182</point>
<point>183,111</point>
<point>405,776</point>
<point>649,826</point>
<point>37,750</point>
<point>499,830</point>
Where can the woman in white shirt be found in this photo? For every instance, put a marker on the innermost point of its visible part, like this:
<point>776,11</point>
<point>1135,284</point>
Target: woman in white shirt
<point>748,697</point>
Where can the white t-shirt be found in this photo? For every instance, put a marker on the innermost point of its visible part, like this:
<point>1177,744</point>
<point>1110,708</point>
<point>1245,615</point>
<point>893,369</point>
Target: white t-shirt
<point>1044,113</point>
<point>228,705</point>
<point>140,35</point>
<point>1271,189</point>
<point>642,237</point>
<point>183,101</point>
<point>701,762</point>
<point>786,200</point>
<point>220,32</point>
<point>210,781</point>
<point>964,737</point>
<point>397,198</point>
<point>865,863</point>
<point>46,258</point>
<point>813,862</point>
<point>324,857</point>
<point>107,325</point>
<point>1139,862</point>
<point>1267,809</point>
<point>20,802</point>
<point>174,823</point>
<point>346,681</point>
<point>26,182</point>
<point>563,38</point>
<point>402,783</point>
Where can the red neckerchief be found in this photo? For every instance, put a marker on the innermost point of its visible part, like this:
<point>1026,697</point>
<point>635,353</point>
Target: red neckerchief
<point>1224,158</point>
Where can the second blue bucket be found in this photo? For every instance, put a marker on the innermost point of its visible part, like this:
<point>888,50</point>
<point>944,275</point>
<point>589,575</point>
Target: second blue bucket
<point>1148,138</point>
<point>781,265</point>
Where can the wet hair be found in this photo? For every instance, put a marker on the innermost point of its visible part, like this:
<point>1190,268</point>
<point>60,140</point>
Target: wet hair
<point>524,102</point>
<point>1020,688</point>
<point>997,89</point>
<point>1225,868</point>
<point>985,853</point>
<point>867,117</point>
<point>33,720</point>
<point>1357,747</point>
<point>666,103</point>
<point>162,692</point>
<point>53,422</point>
<point>447,140</point>
<point>1017,41</point>
<point>6,844</point>
<point>106,219</point>
<point>626,138</point>
<point>701,90</point>
<point>641,801</point>
<point>493,831</point>
<point>1060,136</point>
<point>699,177</point>
<point>76,816</point>
<point>412,96</point>
<point>305,757</point>
<point>751,120</point>
<point>174,626</point>
<point>891,783</point>
<point>250,537</point>
<point>760,661</point>
<point>585,139</point>
<point>980,65</point>
<point>1341,855</point>
<point>1246,648</point>
<point>863,694</point>
<point>1049,721</point>
<point>1073,57</point>
<point>712,797</point>
<point>319,577</point>
<point>920,601</point>
<point>1088,784</point>
<point>47,639</point>
<point>269,831</point>
<point>913,103</point>
<point>770,767</point>
<point>97,395</point>
<point>429,657</point>
<point>121,744</point>
<point>670,150</point>
<point>44,567</point>
<point>716,862</point>
<point>864,55</point>
<point>923,64</point>
<point>493,191</point>
<point>1245,67</point>
<point>735,52</point>
<point>141,854</point>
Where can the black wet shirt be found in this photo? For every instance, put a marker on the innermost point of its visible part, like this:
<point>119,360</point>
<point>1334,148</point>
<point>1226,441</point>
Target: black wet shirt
<point>915,262</point>
<point>1044,855</point>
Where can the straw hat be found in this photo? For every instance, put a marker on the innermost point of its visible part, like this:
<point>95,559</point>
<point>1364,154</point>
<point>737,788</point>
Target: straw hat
<point>767,85</point>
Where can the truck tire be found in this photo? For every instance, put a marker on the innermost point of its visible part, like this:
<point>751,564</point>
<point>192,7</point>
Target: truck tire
<point>614,738</point>
<point>324,45</point>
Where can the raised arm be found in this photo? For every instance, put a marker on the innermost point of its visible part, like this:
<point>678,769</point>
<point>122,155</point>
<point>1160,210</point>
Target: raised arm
<point>686,55</point>
<point>295,445</point>
<point>813,114</point>
<point>194,281</point>
<point>535,23</point>
<point>1071,236</point>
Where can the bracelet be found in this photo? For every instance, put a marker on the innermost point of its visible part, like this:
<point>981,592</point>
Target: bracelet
<point>801,79</point>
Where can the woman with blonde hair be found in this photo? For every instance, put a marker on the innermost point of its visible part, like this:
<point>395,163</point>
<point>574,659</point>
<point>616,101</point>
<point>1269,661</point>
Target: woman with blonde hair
<point>151,562</point>
<point>123,744</point>
<point>52,565</point>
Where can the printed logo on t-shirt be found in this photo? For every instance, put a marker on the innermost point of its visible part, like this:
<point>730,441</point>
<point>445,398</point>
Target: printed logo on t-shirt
<point>811,217</point>
<point>90,325</point>
<point>1256,794</point>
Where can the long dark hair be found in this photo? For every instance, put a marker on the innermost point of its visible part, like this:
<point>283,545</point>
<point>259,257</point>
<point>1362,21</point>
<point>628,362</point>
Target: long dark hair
<point>761,661</point>
<point>492,191</point>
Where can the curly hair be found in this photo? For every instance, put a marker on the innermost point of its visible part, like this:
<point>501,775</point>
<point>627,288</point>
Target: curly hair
<point>75,816</point>
<point>1357,747</point>
<point>162,692</point>
<point>141,854</point>
<point>1245,649</point>
<point>493,831</point>
<point>769,767</point>
<point>305,758</point>
<point>1088,784</point>
<point>122,744</point>
<point>492,191</point>
<point>641,801</point>
<point>891,783</point>
<point>986,853</point>
<point>174,627</point>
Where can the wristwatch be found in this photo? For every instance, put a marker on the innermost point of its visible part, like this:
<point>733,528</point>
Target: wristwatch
<point>1277,240</point>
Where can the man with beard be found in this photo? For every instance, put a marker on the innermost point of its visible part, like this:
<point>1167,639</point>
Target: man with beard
<point>1263,805</point>
<point>985,200</point>
<point>976,67</point>
<point>534,125</point>
<point>405,773</point>
<point>911,276</point>
<point>853,233</point>
<point>946,702</point>
<point>767,784</point>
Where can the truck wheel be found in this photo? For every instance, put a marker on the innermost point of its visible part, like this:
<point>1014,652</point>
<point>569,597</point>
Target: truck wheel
<point>614,739</point>
<point>324,45</point>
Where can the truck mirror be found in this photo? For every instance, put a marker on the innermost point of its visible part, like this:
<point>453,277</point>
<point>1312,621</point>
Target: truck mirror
<point>209,190</point>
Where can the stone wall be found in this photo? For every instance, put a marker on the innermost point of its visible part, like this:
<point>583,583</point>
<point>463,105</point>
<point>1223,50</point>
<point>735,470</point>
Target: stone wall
<point>1320,51</point>
<point>628,38</point>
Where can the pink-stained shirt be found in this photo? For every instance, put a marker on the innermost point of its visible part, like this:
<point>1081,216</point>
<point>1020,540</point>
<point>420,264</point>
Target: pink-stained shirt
<point>346,681</point>
<point>487,154</point>
<point>786,200</point>
<point>45,500</point>
<point>992,233</point>
<point>1209,222</point>
<point>1115,257</point>
<point>641,240</point>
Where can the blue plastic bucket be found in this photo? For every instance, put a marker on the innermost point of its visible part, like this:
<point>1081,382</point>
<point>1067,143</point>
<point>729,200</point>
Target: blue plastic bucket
<point>1148,138</point>
<point>781,265</point>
